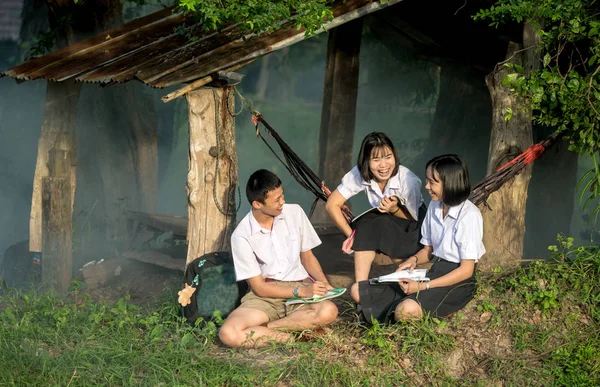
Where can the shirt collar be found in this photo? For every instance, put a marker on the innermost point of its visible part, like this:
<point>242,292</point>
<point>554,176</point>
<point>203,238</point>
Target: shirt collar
<point>255,227</point>
<point>454,211</point>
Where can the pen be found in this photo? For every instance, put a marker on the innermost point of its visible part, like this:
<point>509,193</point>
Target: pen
<point>350,238</point>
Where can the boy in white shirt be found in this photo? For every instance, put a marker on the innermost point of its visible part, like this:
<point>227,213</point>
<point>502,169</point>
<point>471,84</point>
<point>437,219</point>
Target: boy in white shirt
<point>272,250</point>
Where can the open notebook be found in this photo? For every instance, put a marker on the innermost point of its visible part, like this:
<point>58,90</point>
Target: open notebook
<point>416,275</point>
<point>333,293</point>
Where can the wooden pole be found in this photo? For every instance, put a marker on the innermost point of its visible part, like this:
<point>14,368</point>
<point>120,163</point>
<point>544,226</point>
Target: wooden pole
<point>58,132</point>
<point>339,108</point>
<point>228,73</point>
<point>212,171</point>
<point>57,222</point>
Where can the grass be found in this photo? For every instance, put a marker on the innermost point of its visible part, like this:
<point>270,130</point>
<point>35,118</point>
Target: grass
<point>536,325</point>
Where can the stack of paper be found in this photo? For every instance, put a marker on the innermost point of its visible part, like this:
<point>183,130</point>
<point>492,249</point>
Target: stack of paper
<point>415,275</point>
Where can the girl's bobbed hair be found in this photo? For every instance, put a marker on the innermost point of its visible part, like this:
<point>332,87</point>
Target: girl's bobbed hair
<point>454,175</point>
<point>373,141</point>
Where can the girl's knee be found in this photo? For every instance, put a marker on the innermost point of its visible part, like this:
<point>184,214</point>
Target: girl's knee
<point>408,309</point>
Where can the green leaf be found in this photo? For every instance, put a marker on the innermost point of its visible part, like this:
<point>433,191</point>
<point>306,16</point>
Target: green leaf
<point>547,59</point>
<point>573,84</point>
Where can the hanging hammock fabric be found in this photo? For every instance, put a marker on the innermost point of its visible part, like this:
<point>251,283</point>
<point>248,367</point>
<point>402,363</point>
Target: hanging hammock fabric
<point>308,179</point>
<point>296,166</point>
<point>494,182</point>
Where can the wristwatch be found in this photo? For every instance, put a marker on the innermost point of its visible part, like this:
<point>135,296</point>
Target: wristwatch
<point>295,292</point>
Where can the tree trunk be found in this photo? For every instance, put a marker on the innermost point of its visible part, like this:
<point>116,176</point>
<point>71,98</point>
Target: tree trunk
<point>504,224</point>
<point>338,115</point>
<point>57,215</point>
<point>212,171</point>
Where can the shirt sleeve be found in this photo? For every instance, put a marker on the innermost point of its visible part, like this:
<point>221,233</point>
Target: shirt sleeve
<point>413,197</point>
<point>309,238</point>
<point>244,260</point>
<point>426,227</point>
<point>351,184</point>
<point>469,236</point>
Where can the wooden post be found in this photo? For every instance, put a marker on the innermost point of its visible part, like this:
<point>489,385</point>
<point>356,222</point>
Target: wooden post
<point>57,222</point>
<point>212,171</point>
<point>58,132</point>
<point>339,108</point>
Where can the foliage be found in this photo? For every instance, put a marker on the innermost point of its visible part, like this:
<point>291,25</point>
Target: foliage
<point>259,15</point>
<point>564,92</point>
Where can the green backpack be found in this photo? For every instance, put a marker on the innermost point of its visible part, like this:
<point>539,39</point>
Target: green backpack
<point>217,291</point>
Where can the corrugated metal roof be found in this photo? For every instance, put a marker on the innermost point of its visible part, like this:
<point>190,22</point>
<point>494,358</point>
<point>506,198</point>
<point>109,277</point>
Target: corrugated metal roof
<point>10,19</point>
<point>149,49</point>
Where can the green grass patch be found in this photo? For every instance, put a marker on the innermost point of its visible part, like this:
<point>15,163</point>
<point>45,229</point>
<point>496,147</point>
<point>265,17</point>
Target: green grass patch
<point>536,325</point>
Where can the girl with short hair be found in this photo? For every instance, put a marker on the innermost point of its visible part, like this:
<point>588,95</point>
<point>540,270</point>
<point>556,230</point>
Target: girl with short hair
<point>396,194</point>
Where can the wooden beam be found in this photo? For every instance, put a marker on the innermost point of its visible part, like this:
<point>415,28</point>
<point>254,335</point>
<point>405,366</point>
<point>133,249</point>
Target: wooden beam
<point>339,107</point>
<point>58,132</point>
<point>57,225</point>
<point>228,73</point>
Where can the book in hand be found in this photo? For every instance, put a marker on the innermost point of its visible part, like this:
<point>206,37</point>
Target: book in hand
<point>372,209</point>
<point>415,275</point>
<point>401,203</point>
<point>333,293</point>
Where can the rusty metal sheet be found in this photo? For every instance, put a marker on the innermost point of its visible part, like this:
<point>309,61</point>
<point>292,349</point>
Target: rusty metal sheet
<point>88,45</point>
<point>108,51</point>
<point>149,49</point>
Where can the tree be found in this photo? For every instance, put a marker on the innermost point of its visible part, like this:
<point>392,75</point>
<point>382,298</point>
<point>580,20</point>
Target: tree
<point>564,92</point>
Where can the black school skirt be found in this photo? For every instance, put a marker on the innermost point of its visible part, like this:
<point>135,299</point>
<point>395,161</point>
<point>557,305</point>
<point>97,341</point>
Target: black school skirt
<point>384,233</point>
<point>379,301</point>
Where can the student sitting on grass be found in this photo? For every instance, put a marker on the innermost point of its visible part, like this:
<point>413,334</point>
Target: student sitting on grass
<point>452,235</point>
<point>272,249</point>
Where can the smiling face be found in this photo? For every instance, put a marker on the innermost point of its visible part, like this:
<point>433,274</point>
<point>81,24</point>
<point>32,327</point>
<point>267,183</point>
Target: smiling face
<point>382,163</point>
<point>273,203</point>
<point>434,185</point>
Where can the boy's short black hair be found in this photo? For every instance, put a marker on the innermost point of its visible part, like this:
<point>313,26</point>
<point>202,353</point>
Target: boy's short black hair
<point>372,141</point>
<point>259,184</point>
<point>454,175</point>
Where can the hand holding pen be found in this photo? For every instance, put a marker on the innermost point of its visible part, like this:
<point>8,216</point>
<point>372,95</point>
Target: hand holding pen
<point>347,245</point>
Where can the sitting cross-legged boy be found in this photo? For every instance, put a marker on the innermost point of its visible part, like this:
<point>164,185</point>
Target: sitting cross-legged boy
<point>272,250</point>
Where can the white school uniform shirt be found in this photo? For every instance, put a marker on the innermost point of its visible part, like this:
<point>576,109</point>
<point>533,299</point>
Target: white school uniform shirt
<point>459,236</point>
<point>273,253</point>
<point>404,184</point>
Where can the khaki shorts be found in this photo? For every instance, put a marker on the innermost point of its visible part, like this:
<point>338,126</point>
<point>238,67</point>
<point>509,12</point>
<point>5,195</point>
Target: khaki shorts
<point>275,308</point>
